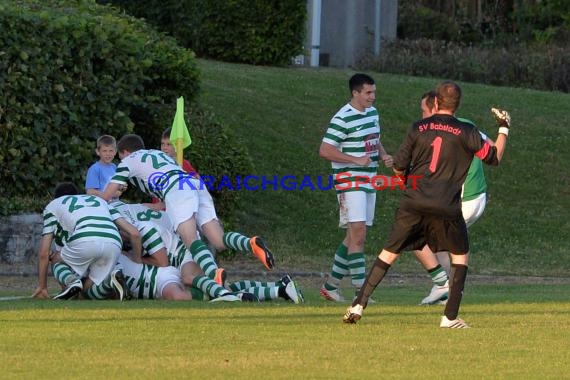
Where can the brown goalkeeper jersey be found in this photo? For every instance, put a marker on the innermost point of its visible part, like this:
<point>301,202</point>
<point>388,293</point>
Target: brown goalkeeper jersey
<point>438,151</point>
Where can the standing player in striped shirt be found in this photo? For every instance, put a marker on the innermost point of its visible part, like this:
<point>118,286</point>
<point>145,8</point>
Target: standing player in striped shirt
<point>352,144</point>
<point>86,231</point>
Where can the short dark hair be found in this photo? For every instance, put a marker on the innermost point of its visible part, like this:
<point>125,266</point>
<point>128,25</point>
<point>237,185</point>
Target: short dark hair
<point>166,133</point>
<point>448,95</point>
<point>430,98</point>
<point>357,81</point>
<point>65,188</point>
<point>130,143</point>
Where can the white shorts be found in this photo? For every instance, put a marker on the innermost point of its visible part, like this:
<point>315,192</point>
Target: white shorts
<point>473,209</point>
<point>187,259</point>
<point>181,205</point>
<point>206,209</point>
<point>165,277</point>
<point>356,206</point>
<point>93,258</point>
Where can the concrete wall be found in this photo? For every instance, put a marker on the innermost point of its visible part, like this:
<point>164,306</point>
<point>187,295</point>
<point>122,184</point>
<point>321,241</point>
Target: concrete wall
<point>19,242</point>
<point>348,29</point>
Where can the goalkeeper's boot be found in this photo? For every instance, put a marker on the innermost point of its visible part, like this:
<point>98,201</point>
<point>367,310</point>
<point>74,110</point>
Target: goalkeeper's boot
<point>261,251</point>
<point>456,323</point>
<point>437,293</point>
<point>70,291</point>
<point>353,314</point>
<point>290,290</point>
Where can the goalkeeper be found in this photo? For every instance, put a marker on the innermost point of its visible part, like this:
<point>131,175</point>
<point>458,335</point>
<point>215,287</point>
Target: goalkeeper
<point>473,202</point>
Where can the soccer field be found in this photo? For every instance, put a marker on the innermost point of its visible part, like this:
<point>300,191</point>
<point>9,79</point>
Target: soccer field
<point>518,331</point>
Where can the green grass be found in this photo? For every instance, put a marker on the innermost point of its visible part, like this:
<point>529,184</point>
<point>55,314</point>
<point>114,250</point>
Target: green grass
<point>281,115</point>
<point>518,332</point>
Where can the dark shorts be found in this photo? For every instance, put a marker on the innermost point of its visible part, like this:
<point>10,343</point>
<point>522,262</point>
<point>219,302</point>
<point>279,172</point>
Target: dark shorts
<point>412,230</point>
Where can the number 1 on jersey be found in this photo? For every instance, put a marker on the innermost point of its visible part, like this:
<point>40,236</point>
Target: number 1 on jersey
<point>436,144</point>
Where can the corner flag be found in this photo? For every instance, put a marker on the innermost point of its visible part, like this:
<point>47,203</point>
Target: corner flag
<point>179,136</point>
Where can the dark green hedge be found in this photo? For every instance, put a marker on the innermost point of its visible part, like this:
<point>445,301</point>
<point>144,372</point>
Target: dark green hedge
<point>531,66</point>
<point>259,32</point>
<point>71,71</point>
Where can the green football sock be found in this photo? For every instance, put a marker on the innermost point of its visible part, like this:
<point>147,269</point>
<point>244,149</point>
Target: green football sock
<point>357,268</point>
<point>438,275</point>
<point>209,287</point>
<point>339,268</point>
<point>64,274</point>
<point>204,258</point>
<point>237,242</point>
<point>102,291</point>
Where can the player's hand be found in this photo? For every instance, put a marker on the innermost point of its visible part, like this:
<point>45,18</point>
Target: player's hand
<point>362,161</point>
<point>502,117</point>
<point>41,293</point>
<point>388,161</point>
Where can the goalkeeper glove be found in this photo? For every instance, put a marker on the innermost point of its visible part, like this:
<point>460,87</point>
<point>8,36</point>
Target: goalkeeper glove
<point>503,119</point>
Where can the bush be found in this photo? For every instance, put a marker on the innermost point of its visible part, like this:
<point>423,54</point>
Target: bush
<point>540,67</point>
<point>71,71</point>
<point>258,32</point>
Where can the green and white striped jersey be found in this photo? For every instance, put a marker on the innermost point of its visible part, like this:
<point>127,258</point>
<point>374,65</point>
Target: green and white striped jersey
<point>154,173</point>
<point>158,227</point>
<point>86,217</point>
<point>475,183</point>
<point>141,279</point>
<point>136,212</point>
<point>357,134</point>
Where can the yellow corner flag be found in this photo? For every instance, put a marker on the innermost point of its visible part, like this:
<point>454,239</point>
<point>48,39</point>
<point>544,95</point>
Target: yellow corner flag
<point>179,135</point>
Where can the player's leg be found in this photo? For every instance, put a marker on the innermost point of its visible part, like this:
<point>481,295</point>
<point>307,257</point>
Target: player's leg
<point>169,285</point>
<point>68,279</point>
<point>246,284</point>
<point>438,275</point>
<point>455,233</point>
<point>201,254</point>
<point>331,288</point>
<point>212,229</point>
<point>376,274</point>
<point>192,276</point>
<point>285,288</point>
<point>361,206</point>
<point>407,228</point>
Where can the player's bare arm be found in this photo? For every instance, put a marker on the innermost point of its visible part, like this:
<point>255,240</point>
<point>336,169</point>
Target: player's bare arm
<point>111,191</point>
<point>503,119</point>
<point>385,157</point>
<point>157,259</point>
<point>133,234</point>
<point>331,153</point>
<point>43,262</point>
